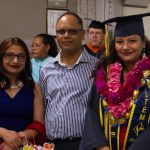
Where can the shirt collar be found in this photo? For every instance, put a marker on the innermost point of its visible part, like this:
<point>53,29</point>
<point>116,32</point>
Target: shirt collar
<point>83,58</point>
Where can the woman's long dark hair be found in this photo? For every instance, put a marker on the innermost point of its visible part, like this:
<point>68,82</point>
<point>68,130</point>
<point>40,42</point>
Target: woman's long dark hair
<point>49,40</point>
<point>113,57</point>
<point>25,76</point>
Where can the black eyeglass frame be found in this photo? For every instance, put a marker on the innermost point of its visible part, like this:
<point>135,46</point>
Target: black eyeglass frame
<point>11,56</point>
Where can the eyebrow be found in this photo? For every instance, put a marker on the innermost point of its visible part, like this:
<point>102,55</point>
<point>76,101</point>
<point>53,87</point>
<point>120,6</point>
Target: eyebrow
<point>15,53</point>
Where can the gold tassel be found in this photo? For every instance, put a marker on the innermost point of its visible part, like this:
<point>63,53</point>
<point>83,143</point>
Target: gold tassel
<point>106,44</point>
<point>106,124</point>
<point>129,124</point>
<point>101,111</point>
<point>118,137</point>
<point>106,41</point>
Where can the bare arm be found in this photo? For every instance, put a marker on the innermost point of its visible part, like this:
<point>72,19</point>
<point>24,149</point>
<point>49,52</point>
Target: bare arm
<point>38,113</point>
<point>38,105</point>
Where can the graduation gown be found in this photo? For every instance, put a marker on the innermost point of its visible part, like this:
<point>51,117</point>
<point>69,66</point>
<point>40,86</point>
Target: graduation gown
<point>93,134</point>
<point>142,142</point>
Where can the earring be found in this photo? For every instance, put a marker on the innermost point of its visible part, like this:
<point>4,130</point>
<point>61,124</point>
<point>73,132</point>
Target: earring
<point>2,84</point>
<point>143,53</point>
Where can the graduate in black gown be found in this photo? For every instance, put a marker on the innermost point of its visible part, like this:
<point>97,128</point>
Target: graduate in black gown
<point>118,112</point>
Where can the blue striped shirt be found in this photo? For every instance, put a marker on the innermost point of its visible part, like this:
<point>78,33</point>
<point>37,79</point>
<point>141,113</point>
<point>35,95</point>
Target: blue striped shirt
<point>65,92</point>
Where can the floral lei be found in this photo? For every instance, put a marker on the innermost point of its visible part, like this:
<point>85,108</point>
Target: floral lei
<point>117,95</point>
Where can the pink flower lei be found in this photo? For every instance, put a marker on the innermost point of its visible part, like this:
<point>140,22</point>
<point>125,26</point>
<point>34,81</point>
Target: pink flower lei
<point>117,95</point>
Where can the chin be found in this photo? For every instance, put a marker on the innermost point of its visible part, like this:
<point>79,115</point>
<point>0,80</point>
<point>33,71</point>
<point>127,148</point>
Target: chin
<point>127,58</point>
<point>33,55</point>
<point>130,61</point>
<point>67,48</point>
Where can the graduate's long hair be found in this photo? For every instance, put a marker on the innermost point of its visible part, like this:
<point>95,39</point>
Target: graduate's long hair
<point>25,75</point>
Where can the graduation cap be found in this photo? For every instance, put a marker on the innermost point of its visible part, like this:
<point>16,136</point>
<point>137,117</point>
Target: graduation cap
<point>128,25</point>
<point>97,25</point>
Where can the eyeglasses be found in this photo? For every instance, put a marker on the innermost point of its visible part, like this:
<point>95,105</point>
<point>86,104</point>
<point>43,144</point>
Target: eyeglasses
<point>69,31</point>
<point>10,56</point>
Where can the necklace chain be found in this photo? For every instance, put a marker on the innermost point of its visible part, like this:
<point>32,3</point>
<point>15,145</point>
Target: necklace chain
<point>15,86</point>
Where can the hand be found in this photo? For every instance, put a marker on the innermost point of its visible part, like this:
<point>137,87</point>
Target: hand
<point>11,138</point>
<point>5,146</point>
<point>103,148</point>
<point>23,136</point>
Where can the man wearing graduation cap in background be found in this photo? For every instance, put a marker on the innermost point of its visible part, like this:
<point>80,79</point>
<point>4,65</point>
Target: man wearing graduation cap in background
<point>118,110</point>
<point>96,36</point>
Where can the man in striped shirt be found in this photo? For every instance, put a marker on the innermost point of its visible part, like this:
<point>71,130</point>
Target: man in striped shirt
<point>65,83</point>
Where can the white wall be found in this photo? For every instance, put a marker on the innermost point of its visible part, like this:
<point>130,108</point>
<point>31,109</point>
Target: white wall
<point>22,18</point>
<point>137,10</point>
<point>25,18</point>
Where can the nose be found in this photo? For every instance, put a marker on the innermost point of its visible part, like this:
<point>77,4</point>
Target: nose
<point>94,34</point>
<point>33,47</point>
<point>15,60</point>
<point>66,33</point>
<point>125,45</point>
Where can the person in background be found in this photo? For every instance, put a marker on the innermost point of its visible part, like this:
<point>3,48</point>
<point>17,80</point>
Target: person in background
<point>21,102</point>
<point>96,38</point>
<point>65,82</point>
<point>44,48</point>
<point>119,104</point>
